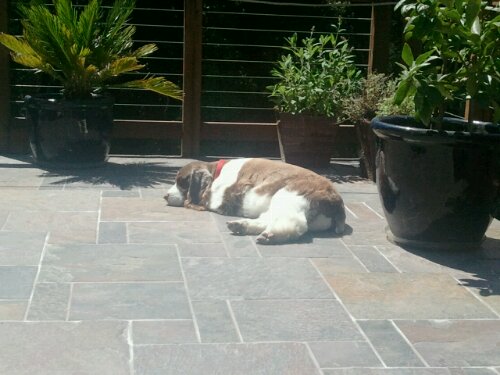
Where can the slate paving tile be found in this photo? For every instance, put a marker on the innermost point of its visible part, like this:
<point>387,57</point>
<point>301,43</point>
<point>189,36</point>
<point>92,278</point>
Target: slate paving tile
<point>202,250</point>
<point>163,332</point>
<point>3,217</point>
<point>486,288</point>
<point>111,232</point>
<point>121,193</point>
<point>458,343</point>
<point>344,354</point>
<point>251,278</point>
<point>239,246</point>
<point>147,209</point>
<point>372,259</point>
<point>157,192</point>
<point>311,245</point>
<point>457,263</point>
<point>409,262</point>
<point>391,346</point>
<point>129,301</point>
<point>12,310</point>
<point>333,266</point>
<point>406,296</point>
<point>237,359</point>
<point>52,183</point>
<point>363,212</point>
<point>221,220</point>
<point>173,232</point>
<point>50,302</point>
<point>357,228</point>
<point>22,177</point>
<point>387,371</point>
<point>369,238</point>
<point>364,187</point>
<point>21,248</point>
<point>472,371</point>
<point>215,322</point>
<point>64,227</point>
<point>91,184</point>
<point>293,320</point>
<point>16,282</point>
<point>36,200</point>
<point>349,195</point>
<point>101,263</point>
<point>50,348</point>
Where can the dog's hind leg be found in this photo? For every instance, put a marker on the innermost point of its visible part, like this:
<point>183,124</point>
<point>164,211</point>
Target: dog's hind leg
<point>286,218</point>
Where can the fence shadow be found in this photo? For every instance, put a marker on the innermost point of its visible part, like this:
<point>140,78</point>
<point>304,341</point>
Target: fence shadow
<point>125,176</point>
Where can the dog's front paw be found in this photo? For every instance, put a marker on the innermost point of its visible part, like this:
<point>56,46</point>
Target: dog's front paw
<point>237,227</point>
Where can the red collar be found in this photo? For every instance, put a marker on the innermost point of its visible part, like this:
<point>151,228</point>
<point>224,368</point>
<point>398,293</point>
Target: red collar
<point>218,169</point>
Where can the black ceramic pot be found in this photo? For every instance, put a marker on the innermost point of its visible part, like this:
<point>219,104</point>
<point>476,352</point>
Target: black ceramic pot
<point>439,189</point>
<point>72,133</point>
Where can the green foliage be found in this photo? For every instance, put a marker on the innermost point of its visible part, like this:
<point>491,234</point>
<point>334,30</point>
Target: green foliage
<point>460,58</point>
<point>86,50</point>
<point>387,106</point>
<point>315,75</point>
<point>375,97</point>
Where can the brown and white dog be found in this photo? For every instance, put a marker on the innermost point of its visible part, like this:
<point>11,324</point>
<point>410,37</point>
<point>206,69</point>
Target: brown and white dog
<point>279,202</point>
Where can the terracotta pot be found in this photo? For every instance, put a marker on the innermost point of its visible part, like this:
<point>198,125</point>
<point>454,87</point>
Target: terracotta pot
<point>306,140</point>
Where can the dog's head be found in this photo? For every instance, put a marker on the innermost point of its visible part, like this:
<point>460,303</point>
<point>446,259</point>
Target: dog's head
<point>191,186</point>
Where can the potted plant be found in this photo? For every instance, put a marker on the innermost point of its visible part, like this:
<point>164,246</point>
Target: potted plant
<point>87,50</point>
<point>373,98</point>
<point>313,76</point>
<point>439,177</point>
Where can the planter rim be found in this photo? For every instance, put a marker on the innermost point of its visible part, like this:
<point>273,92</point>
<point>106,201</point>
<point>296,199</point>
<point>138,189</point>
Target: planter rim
<point>305,115</point>
<point>406,128</point>
<point>59,101</point>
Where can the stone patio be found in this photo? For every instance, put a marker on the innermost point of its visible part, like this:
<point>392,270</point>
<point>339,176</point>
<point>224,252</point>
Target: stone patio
<point>99,276</point>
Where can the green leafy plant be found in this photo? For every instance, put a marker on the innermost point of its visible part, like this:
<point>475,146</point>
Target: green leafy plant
<point>460,59</point>
<point>315,75</point>
<point>85,49</point>
<point>375,97</point>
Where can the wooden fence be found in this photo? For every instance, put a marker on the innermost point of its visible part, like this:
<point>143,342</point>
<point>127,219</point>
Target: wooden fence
<point>215,52</point>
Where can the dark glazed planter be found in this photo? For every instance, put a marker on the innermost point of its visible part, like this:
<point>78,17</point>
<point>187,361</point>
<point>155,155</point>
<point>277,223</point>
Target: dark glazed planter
<point>439,189</point>
<point>306,140</point>
<point>67,134</point>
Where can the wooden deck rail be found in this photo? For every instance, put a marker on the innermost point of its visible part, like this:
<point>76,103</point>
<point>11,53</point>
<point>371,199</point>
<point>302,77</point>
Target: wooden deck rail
<point>193,129</point>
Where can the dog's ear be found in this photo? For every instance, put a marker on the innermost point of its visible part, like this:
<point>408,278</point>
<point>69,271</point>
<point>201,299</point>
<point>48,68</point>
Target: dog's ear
<point>200,181</point>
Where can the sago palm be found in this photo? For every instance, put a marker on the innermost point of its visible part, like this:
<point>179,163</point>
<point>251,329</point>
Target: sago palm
<point>85,49</point>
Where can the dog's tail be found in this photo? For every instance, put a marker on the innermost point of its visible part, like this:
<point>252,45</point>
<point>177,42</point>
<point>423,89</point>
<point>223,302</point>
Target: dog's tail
<point>338,217</point>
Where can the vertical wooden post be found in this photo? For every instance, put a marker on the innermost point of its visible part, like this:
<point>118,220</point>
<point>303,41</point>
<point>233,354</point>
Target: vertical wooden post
<point>191,111</point>
<point>378,59</point>
<point>4,82</point>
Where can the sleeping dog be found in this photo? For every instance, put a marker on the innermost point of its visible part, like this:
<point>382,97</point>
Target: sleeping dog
<point>279,202</point>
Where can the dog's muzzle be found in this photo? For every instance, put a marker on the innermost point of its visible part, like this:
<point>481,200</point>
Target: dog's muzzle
<point>174,197</point>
